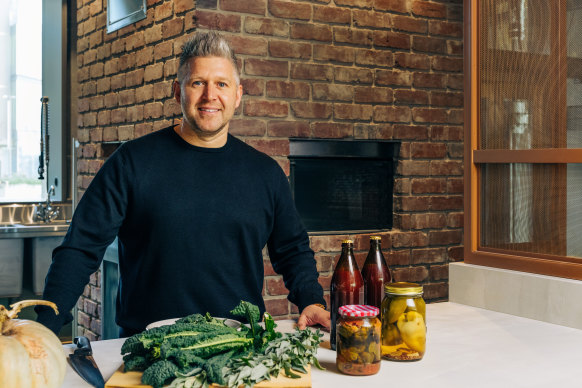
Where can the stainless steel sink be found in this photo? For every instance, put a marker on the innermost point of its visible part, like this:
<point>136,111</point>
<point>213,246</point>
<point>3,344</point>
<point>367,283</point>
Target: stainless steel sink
<point>17,221</point>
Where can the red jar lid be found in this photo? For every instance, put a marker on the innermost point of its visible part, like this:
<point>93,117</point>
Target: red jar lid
<point>358,310</point>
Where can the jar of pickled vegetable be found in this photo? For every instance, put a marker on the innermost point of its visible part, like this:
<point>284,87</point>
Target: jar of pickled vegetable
<point>358,340</point>
<point>403,322</point>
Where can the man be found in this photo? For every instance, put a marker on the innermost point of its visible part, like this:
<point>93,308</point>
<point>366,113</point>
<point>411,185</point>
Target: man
<point>192,207</point>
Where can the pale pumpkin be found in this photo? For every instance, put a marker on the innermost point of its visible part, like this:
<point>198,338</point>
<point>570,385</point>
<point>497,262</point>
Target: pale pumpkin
<point>31,355</point>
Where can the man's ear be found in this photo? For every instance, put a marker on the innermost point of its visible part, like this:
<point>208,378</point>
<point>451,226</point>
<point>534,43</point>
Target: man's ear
<point>177,91</point>
<point>239,93</point>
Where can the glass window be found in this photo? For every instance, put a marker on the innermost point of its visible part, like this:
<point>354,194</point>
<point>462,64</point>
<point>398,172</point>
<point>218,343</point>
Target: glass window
<point>31,67</point>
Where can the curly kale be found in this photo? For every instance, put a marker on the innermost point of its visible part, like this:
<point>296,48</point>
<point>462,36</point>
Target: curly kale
<point>159,373</point>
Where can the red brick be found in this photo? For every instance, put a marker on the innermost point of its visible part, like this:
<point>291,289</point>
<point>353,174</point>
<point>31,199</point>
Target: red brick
<point>429,9</point>
<point>285,89</point>
<point>324,263</point>
<point>134,41</point>
<point>393,77</point>
<point>127,97</point>
<point>400,6</point>
<point>429,115</point>
<point>428,44</point>
<point>151,35</point>
<point>248,45</point>
<point>257,7</point>
<point>333,53</point>
<point>266,108</point>
<point>412,97</point>
<point>456,253</point>
<point>253,87</point>
<point>352,36</point>
<point>446,202</point>
<point>409,24</point>
<point>332,130</point>
<point>277,307</point>
<point>212,4</point>
<point>163,11</point>
<point>448,133</point>
<point>110,134</point>
<point>374,58</point>
<point>455,220</point>
<point>279,128</point>
<point>311,71</point>
<point>353,75</point>
<point>271,146</point>
<point>409,239</point>
<point>428,80</point>
<point>218,21</point>
<point>412,61</point>
<point>103,85</point>
<point>352,112</point>
<point>289,10</point>
<point>142,129</point>
<point>436,291</point>
<point>135,113</point>
<point>456,116</point>
<point>266,67</point>
<point>397,257</point>
<point>372,19</point>
<point>392,114</point>
<point>329,243</point>
<point>428,150</point>
<point>247,127</point>
<point>372,131</point>
<point>284,49</point>
<point>144,56</point>
<point>308,31</point>
<point>355,3</point>
<point>325,281</point>
<point>173,27</point>
<point>183,5</point>
<point>455,81</point>
<point>153,110</point>
<point>453,29</point>
<point>118,115</point>
<point>171,68</point>
<point>333,92</point>
<point>144,93</point>
<point>446,99</point>
<point>126,62</point>
<point>332,15</point>
<point>410,132</point>
<point>311,110</point>
<point>428,255</point>
<point>374,95</point>
<point>411,274</point>
<point>445,237</point>
<point>153,72</point>
<point>275,286</point>
<point>429,185</point>
<point>455,186</point>
<point>392,39</point>
<point>163,50</point>
<point>447,64</point>
<point>454,47</point>
<point>444,167</point>
<point>362,241</point>
<point>414,203</point>
<point>266,26</point>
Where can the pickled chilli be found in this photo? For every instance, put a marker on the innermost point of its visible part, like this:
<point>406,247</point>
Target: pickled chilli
<point>358,340</point>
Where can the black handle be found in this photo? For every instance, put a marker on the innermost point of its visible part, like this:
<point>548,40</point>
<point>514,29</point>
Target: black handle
<point>83,346</point>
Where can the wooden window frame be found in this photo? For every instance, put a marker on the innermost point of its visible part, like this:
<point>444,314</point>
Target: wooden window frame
<point>553,265</point>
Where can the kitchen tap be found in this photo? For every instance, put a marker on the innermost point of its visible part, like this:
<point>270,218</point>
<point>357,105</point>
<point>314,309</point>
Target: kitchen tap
<point>45,212</point>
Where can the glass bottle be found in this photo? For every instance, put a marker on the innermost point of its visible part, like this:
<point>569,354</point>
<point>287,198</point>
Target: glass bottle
<point>347,285</point>
<point>375,273</point>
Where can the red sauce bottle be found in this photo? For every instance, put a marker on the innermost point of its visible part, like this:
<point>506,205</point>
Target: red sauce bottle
<point>375,273</point>
<point>347,285</point>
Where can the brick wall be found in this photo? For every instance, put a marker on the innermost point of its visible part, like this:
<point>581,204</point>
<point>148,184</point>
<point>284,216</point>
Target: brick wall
<point>351,69</point>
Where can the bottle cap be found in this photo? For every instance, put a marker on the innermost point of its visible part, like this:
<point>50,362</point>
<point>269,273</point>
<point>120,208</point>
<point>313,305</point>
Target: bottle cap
<point>348,242</point>
<point>375,238</point>
<point>403,288</point>
<point>358,310</point>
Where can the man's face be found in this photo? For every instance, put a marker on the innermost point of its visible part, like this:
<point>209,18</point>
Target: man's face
<point>208,94</point>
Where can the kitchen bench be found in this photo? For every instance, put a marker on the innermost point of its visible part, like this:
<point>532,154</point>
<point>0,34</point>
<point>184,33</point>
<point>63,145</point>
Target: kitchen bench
<point>466,347</point>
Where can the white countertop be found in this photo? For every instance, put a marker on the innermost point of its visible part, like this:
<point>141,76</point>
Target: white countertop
<point>466,347</point>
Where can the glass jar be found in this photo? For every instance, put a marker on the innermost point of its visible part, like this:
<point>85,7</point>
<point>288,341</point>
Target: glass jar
<point>403,322</point>
<point>358,340</point>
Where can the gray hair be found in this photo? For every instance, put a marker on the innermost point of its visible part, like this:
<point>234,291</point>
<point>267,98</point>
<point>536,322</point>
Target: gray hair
<point>208,44</point>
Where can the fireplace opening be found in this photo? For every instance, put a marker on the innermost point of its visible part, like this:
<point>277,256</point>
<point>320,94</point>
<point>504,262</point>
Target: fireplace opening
<point>343,185</point>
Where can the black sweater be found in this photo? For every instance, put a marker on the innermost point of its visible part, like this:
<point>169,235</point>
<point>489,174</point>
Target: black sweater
<point>192,223</point>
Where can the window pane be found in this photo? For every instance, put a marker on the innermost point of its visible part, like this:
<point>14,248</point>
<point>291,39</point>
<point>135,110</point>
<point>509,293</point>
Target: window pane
<point>574,81</point>
<point>20,93</point>
<point>518,75</point>
<point>532,208</point>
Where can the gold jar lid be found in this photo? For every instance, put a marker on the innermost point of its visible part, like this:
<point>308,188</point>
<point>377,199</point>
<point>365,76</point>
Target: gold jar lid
<point>403,288</point>
<point>375,238</point>
<point>348,242</point>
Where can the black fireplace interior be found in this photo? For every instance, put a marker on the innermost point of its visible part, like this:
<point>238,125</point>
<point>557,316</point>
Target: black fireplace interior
<point>341,185</point>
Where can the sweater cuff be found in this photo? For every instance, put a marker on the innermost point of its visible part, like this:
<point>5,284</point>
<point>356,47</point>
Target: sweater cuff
<point>305,299</point>
<point>47,317</point>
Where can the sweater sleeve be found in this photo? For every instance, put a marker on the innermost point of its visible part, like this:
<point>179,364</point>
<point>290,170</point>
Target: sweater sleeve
<point>94,226</point>
<point>289,250</point>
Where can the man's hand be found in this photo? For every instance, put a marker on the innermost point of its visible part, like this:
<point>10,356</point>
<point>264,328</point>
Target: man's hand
<point>313,315</point>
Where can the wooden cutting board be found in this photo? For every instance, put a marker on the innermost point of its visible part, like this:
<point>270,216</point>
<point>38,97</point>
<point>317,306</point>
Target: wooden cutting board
<point>122,379</point>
